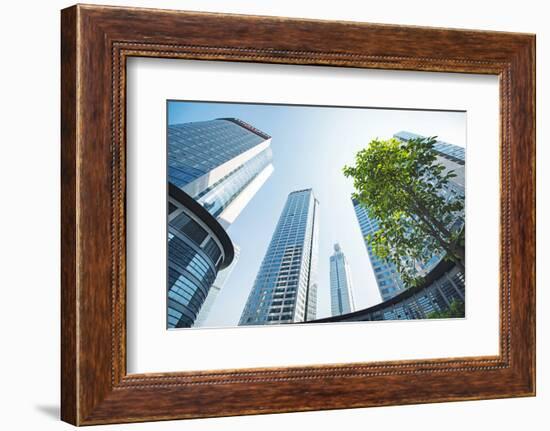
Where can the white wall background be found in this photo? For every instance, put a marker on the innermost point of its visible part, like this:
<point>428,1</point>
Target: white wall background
<point>29,226</point>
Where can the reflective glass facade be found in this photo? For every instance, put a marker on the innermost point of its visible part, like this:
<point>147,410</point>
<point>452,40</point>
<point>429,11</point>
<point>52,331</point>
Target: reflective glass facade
<point>452,152</point>
<point>414,303</point>
<point>386,275</point>
<point>341,289</point>
<point>285,289</point>
<point>194,149</point>
<point>194,256</point>
<point>215,161</point>
<point>453,158</point>
<point>218,163</point>
<point>221,194</point>
<point>215,289</point>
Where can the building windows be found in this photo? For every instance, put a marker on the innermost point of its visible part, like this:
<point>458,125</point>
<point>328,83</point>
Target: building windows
<point>194,252</point>
<point>189,227</point>
<point>212,250</point>
<point>283,261</point>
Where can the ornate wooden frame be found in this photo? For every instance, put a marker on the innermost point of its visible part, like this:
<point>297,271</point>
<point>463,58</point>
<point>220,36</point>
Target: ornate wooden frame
<point>95,43</point>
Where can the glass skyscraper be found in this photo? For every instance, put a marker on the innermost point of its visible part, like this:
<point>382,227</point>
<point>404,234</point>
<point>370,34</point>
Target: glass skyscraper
<point>214,169</point>
<point>215,289</point>
<point>449,151</point>
<point>452,157</point>
<point>285,289</point>
<point>387,278</point>
<point>341,289</point>
<point>220,163</point>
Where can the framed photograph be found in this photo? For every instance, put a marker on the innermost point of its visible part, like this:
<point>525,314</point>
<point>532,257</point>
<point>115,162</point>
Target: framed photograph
<point>265,215</point>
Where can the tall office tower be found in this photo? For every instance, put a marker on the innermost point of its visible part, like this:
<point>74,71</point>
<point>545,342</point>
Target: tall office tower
<point>341,290</point>
<point>285,289</point>
<point>220,163</point>
<point>386,275</point>
<point>214,169</point>
<point>452,157</point>
<point>217,286</point>
<point>449,151</point>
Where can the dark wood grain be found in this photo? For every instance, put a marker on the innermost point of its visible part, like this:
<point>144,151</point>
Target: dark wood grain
<point>96,41</point>
<point>69,398</point>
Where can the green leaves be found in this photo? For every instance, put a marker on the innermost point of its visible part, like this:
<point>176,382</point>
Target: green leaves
<point>403,186</point>
<point>456,309</point>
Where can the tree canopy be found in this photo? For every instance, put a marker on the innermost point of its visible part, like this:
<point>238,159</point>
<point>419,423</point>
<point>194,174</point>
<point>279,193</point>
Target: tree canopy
<point>402,185</point>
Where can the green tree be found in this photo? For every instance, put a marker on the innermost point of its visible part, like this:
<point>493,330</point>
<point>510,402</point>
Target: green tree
<point>401,184</point>
<point>456,309</point>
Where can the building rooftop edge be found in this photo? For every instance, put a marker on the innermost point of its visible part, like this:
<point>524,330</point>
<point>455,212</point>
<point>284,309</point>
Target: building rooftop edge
<point>440,269</point>
<point>237,121</point>
<point>301,191</point>
<point>247,126</point>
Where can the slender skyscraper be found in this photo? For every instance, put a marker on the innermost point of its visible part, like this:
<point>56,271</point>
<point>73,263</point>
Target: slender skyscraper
<point>214,169</point>
<point>285,289</point>
<point>341,290</point>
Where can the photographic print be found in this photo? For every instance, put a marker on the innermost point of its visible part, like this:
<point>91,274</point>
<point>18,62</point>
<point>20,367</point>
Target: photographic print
<point>290,214</point>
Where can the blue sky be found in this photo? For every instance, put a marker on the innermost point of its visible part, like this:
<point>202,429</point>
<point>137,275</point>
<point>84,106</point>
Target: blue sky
<point>310,147</point>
